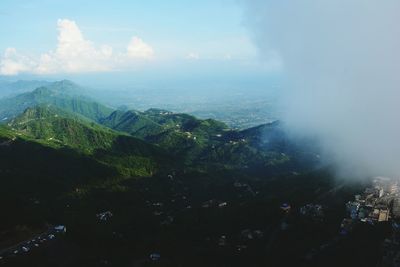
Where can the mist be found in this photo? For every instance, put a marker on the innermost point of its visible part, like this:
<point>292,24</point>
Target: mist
<point>341,63</point>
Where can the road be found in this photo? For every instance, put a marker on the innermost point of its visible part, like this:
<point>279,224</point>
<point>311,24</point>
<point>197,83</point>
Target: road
<point>26,246</point>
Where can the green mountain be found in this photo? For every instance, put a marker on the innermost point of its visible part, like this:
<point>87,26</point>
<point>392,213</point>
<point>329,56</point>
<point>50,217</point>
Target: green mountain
<point>206,143</point>
<point>29,168</point>
<point>182,135</point>
<point>156,121</point>
<point>132,122</point>
<point>58,115</point>
<point>63,94</point>
<point>58,128</point>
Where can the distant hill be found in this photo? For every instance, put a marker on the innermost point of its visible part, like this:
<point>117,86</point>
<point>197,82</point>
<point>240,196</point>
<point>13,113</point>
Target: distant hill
<point>182,135</point>
<point>133,122</point>
<point>206,143</point>
<point>8,89</point>
<point>63,94</point>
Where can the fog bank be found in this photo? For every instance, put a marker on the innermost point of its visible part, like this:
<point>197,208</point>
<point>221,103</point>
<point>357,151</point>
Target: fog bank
<point>341,59</point>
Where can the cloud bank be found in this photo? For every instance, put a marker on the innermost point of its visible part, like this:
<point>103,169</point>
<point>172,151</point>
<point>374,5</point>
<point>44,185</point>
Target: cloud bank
<point>13,63</point>
<point>342,62</point>
<point>75,54</point>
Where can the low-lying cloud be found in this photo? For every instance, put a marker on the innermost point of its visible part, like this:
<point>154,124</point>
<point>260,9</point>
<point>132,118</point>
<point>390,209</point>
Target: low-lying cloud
<point>342,62</point>
<point>75,54</point>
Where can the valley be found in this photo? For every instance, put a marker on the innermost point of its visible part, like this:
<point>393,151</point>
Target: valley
<point>159,188</point>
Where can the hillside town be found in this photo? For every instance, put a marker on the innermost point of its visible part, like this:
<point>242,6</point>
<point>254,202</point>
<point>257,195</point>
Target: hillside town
<point>379,203</point>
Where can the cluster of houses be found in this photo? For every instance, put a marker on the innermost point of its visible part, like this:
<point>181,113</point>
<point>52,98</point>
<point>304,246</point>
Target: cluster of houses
<point>378,203</point>
<point>391,245</point>
<point>165,112</point>
<point>190,136</point>
<point>374,205</point>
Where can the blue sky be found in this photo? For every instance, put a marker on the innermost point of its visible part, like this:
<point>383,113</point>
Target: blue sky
<point>52,38</point>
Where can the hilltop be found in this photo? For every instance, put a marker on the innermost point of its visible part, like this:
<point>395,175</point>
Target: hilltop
<point>63,94</point>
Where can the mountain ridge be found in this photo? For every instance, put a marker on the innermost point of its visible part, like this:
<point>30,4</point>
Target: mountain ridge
<point>63,94</point>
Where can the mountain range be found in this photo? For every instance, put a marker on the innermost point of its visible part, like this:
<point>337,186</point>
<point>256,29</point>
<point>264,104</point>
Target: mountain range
<point>60,116</point>
<point>66,156</point>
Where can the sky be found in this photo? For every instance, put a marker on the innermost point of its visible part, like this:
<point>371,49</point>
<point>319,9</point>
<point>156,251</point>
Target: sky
<point>56,39</point>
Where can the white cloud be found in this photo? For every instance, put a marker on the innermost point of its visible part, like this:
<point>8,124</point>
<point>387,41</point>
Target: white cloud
<point>13,63</point>
<point>74,54</point>
<point>341,62</point>
<point>137,48</point>
<point>193,56</point>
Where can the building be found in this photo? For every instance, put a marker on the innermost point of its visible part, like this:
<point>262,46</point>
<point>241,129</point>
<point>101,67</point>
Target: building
<point>285,207</point>
<point>383,215</point>
<point>396,207</point>
<point>60,229</point>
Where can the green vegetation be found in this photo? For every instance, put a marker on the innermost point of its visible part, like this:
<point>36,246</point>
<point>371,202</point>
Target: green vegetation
<point>133,122</point>
<point>205,144</point>
<point>66,158</point>
<point>63,94</point>
<point>58,115</point>
<point>58,129</point>
<point>137,144</point>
